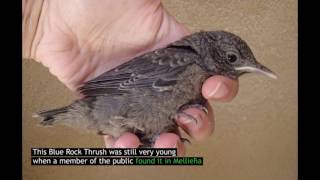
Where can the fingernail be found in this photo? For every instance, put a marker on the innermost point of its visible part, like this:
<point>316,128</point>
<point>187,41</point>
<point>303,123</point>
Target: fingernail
<point>220,91</point>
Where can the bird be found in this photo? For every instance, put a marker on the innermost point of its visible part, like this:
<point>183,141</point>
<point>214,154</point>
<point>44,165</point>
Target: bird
<point>145,95</point>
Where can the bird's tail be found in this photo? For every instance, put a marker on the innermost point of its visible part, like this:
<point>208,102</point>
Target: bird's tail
<point>48,117</point>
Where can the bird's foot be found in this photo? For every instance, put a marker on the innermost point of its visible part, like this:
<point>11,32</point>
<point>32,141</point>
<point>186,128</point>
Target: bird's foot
<point>202,107</point>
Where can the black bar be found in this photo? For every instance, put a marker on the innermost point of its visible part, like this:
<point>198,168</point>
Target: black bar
<point>115,161</point>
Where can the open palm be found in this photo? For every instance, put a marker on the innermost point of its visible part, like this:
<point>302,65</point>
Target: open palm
<point>82,39</point>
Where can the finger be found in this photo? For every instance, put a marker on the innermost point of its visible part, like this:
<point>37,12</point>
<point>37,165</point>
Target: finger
<point>170,140</point>
<point>220,88</point>
<point>127,140</point>
<point>202,127</point>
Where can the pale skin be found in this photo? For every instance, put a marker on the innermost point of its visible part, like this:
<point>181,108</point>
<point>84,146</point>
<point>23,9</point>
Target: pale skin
<point>79,39</point>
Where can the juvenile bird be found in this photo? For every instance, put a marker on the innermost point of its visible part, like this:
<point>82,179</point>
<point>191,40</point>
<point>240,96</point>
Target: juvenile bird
<point>146,94</point>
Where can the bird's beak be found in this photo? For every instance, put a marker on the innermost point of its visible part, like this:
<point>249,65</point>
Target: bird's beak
<point>257,68</point>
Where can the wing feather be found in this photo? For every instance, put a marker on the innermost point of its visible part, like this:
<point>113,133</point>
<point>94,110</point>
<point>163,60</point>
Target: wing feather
<point>157,70</point>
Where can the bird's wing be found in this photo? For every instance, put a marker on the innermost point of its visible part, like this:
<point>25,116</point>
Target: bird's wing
<point>157,70</point>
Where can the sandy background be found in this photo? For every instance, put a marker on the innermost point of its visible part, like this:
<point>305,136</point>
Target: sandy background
<point>255,135</point>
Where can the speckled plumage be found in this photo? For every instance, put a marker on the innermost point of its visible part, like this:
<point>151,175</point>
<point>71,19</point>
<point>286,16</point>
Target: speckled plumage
<point>144,95</point>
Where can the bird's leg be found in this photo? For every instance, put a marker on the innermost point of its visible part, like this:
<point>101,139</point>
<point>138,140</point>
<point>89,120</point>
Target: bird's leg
<point>146,141</point>
<point>175,130</point>
<point>199,103</point>
<point>146,144</point>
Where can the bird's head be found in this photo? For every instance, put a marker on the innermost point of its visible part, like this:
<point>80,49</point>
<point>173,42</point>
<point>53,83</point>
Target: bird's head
<point>229,55</point>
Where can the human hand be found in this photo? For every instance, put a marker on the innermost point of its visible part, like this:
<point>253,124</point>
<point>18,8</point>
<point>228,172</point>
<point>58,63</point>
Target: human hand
<point>79,40</point>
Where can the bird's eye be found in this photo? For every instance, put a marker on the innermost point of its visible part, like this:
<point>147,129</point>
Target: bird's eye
<point>231,57</point>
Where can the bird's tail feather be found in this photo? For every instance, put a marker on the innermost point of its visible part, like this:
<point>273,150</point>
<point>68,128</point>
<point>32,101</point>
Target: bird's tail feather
<point>48,117</point>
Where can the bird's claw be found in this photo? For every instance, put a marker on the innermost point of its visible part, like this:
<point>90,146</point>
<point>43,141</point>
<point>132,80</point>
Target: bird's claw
<point>198,106</point>
<point>183,140</point>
